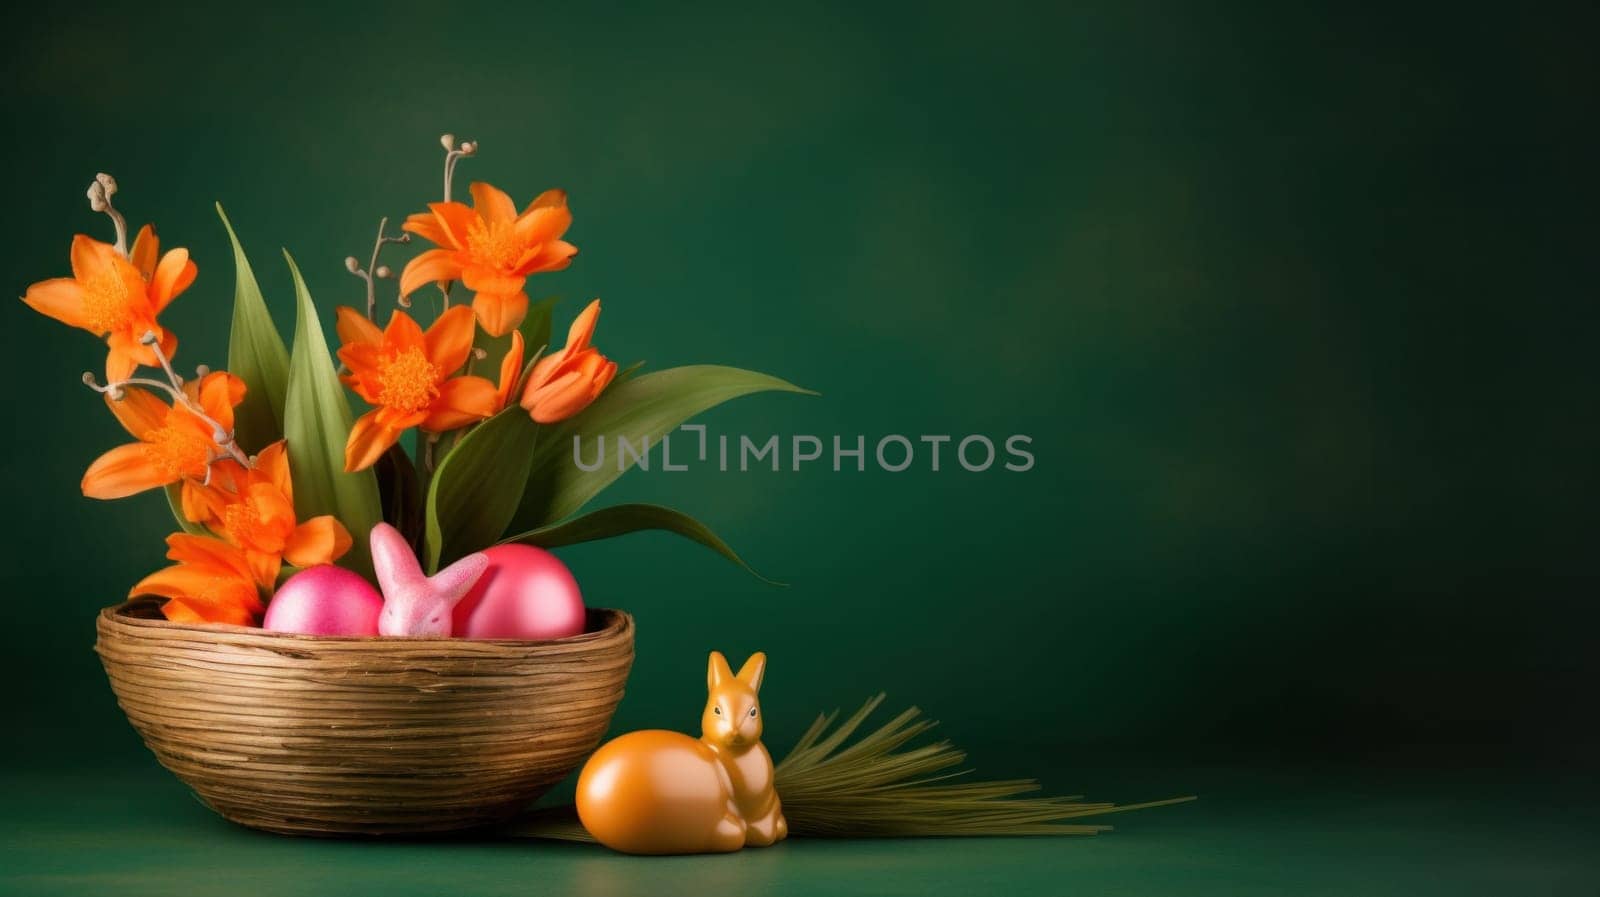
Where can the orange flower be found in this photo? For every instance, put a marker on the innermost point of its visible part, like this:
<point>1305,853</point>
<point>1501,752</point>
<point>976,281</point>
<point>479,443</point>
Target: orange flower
<point>565,383</point>
<point>254,510</point>
<point>174,442</point>
<point>117,298</point>
<point>491,249</point>
<point>406,375</point>
<point>211,583</point>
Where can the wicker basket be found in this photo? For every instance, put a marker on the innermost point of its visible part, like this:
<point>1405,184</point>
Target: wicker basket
<point>342,736</point>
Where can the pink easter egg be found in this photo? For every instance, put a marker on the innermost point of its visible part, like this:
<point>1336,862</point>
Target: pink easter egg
<point>324,600</point>
<point>525,594</point>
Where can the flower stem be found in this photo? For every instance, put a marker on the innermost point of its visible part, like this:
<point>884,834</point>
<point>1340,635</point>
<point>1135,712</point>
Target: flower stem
<point>373,272</point>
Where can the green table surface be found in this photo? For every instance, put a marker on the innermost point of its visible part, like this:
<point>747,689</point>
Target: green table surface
<point>139,832</point>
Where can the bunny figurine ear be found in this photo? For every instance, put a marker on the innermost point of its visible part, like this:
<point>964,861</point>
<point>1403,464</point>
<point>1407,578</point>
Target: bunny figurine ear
<point>393,560</point>
<point>718,672</point>
<point>752,671</point>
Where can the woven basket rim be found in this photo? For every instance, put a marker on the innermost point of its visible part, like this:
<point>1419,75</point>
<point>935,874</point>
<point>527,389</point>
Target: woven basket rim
<point>614,623</point>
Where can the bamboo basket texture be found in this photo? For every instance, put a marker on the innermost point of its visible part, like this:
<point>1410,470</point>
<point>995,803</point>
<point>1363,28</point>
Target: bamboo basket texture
<point>326,736</point>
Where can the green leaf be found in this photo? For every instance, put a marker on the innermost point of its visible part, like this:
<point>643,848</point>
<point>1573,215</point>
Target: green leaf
<point>316,421</point>
<point>474,491</point>
<point>536,326</point>
<point>623,519</point>
<point>174,492</point>
<point>401,494</point>
<point>256,355</point>
<point>647,406</point>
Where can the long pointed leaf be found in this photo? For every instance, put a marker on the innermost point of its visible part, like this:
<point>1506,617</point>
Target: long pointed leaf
<point>475,488</point>
<point>317,423</point>
<point>622,519</point>
<point>646,407</point>
<point>256,355</point>
<point>401,494</point>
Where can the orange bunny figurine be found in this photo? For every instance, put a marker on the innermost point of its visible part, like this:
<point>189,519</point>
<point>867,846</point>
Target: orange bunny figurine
<point>660,792</point>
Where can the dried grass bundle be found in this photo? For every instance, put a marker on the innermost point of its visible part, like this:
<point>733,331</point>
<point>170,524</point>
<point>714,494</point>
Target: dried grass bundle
<point>873,789</point>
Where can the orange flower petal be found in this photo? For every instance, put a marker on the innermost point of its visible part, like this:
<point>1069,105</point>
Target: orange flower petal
<point>185,611</point>
<point>89,256</point>
<point>200,504</point>
<point>449,341</point>
<point>543,224</point>
<point>481,279</point>
<point>428,227</point>
<point>174,275</point>
<point>544,370</point>
<point>208,553</point>
<point>556,255</point>
<point>455,219</point>
<point>220,392</point>
<point>402,332</point>
<point>145,252</point>
<point>119,364</point>
<point>547,199</point>
<point>500,313</point>
<point>273,464</point>
<point>179,612</point>
<point>320,540</point>
<point>557,400</point>
<point>60,298</point>
<point>139,411</point>
<point>127,352</point>
<point>492,203</point>
<point>399,421</point>
<point>582,329</point>
<point>367,443</point>
<point>125,470</point>
<point>275,513</point>
<point>354,329</point>
<point>429,267</point>
<point>462,400</point>
<point>510,368</point>
<point>264,567</point>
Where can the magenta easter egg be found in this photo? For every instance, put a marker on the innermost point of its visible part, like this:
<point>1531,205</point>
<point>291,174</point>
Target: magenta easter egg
<point>324,600</point>
<point>525,594</point>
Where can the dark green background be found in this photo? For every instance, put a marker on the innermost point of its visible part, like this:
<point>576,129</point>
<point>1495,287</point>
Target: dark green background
<point>1297,306</point>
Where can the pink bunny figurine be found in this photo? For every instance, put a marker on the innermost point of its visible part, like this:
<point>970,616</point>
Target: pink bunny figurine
<point>415,604</point>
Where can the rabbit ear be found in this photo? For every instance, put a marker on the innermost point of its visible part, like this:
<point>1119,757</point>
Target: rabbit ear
<point>393,560</point>
<point>453,582</point>
<point>718,671</point>
<point>752,671</point>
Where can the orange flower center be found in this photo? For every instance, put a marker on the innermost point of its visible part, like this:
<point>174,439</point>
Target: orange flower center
<point>178,451</point>
<point>494,245</point>
<point>242,521</point>
<point>109,295</point>
<point>408,381</point>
